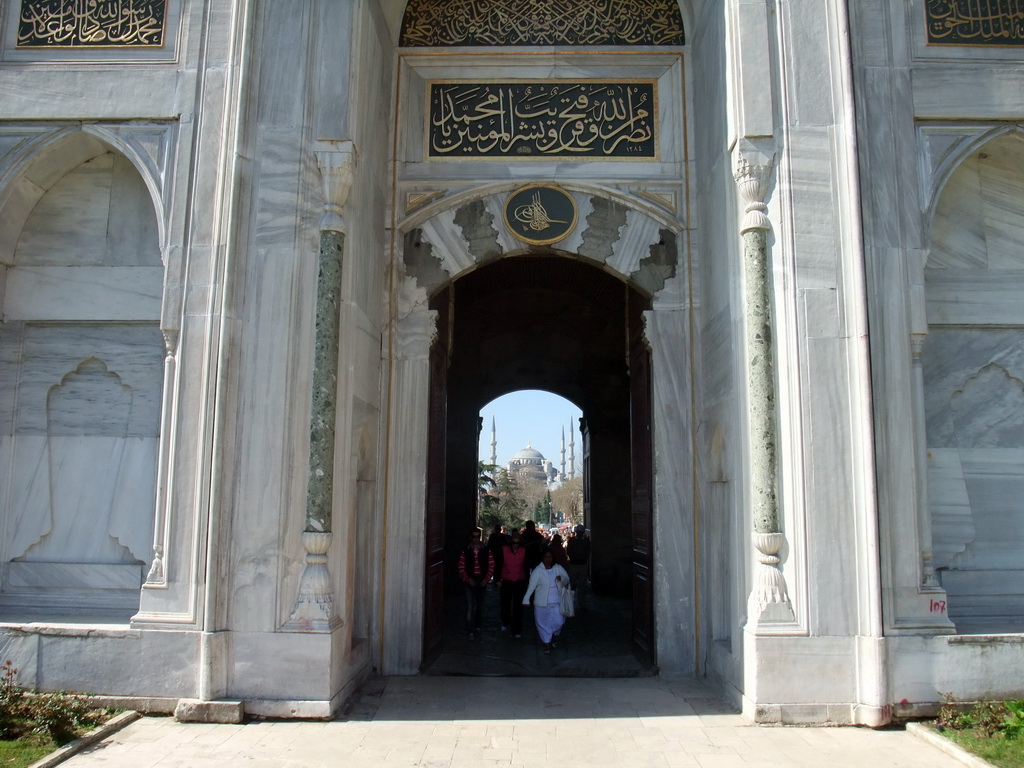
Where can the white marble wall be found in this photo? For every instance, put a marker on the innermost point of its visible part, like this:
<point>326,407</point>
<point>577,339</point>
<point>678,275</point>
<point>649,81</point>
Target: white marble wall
<point>82,417</point>
<point>933,191</point>
<point>973,386</point>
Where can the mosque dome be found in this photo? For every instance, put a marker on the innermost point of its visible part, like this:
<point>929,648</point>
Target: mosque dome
<point>528,455</point>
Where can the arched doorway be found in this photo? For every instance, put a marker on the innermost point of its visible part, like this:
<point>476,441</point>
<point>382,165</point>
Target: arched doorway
<point>566,326</point>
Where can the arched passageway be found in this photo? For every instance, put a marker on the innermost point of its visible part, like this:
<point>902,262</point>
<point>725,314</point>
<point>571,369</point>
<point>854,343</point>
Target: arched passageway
<point>566,326</point>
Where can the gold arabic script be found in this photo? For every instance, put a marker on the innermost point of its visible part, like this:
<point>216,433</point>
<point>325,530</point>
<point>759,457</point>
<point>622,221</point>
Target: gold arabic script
<point>975,22</point>
<point>91,23</point>
<point>561,119</point>
<point>535,215</point>
<point>541,22</point>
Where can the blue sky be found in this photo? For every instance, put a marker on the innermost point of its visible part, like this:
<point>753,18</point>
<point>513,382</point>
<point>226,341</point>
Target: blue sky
<point>532,416</point>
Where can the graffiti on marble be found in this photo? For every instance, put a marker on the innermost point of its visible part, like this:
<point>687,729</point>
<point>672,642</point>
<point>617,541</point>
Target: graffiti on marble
<point>975,22</point>
<point>91,23</point>
<point>553,119</point>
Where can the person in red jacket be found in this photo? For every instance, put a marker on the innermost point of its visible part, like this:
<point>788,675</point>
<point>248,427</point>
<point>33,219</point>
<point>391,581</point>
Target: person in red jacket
<point>476,568</point>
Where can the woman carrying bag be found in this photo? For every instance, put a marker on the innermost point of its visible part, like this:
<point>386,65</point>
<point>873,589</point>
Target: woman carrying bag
<point>547,582</point>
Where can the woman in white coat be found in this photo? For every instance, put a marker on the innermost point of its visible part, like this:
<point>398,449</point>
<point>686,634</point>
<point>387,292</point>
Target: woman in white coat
<point>546,584</point>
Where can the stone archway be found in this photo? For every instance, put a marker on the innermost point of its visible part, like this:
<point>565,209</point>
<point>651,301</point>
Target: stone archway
<point>563,325</point>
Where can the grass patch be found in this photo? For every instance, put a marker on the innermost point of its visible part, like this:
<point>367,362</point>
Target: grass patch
<point>17,753</point>
<point>998,750</point>
<point>34,724</point>
<point>992,730</point>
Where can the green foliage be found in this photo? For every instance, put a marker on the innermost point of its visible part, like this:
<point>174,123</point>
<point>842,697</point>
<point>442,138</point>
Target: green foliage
<point>12,698</point>
<point>58,716</point>
<point>61,715</point>
<point>1014,725</point>
<point>989,729</point>
<point>504,504</point>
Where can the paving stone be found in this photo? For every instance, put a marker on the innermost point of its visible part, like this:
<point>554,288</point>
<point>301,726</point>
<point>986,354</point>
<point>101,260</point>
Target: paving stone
<point>531,723</point>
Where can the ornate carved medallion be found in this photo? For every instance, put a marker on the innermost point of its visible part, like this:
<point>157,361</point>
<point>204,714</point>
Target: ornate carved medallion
<point>91,24</point>
<point>435,23</point>
<point>540,214</point>
<point>972,22</point>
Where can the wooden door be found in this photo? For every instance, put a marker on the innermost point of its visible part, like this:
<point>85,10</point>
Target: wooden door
<point>434,523</point>
<point>642,492</point>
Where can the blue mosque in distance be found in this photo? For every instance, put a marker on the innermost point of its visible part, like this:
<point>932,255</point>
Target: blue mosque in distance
<point>529,463</point>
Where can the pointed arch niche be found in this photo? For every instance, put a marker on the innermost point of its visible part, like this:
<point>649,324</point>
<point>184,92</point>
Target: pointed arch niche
<point>80,399</point>
<point>973,368</point>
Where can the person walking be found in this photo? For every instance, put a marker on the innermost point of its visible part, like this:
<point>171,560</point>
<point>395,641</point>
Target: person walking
<point>558,550</point>
<point>546,584</point>
<point>533,542</point>
<point>578,552</point>
<point>513,576</point>
<point>476,569</point>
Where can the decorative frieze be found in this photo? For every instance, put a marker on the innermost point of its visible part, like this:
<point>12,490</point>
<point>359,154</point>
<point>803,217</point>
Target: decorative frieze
<point>437,23</point>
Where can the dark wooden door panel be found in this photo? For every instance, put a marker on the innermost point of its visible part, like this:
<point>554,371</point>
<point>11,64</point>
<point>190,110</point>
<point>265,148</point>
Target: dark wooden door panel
<point>641,455</point>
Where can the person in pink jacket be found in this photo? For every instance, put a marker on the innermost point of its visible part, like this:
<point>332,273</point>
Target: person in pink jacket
<point>513,576</point>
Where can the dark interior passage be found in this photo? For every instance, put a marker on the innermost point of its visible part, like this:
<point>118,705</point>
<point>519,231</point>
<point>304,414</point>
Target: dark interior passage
<point>561,325</point>
<point>536,322</point>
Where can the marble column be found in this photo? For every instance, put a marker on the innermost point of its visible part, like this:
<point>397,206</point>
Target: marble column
<point>404,546</point>
<point>769,601</point>
<point>314,609</point>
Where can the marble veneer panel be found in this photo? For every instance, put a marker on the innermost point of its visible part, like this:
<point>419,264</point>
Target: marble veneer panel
<point>995,486</point>
<point>950,507</point>
<point>99,213</point>
<point>954,356</point>
<point>50,352</point>
<point>83,293</point>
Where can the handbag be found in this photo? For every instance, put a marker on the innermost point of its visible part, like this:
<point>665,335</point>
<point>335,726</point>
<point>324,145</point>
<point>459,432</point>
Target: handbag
<point>567,602</point>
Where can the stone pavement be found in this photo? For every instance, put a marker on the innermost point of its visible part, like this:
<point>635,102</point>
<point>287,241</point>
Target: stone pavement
<point>538,722</point>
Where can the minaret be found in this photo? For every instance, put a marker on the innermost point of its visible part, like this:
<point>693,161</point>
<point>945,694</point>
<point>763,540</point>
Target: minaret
<point>562,475</point>
<point>494,444</point>
<point>572,451</point>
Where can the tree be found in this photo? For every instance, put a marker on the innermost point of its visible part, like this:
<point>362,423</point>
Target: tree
<point>503,504</point>
<point>568,499</point>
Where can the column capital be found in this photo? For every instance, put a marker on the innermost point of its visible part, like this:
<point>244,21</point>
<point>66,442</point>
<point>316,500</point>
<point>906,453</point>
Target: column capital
<point>752,169</point>
<point>336,159</point>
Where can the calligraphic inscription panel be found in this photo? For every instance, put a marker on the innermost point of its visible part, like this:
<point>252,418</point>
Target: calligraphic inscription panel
<point>91,23</point>
<point>436,23</point>
<point>523,120</point>
<point>975,22</point>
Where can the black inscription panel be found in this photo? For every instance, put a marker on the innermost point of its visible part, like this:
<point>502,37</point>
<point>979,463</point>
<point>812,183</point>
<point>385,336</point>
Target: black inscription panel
<point>542,119</point>
<point>91,23</point>
<point>975,22</point>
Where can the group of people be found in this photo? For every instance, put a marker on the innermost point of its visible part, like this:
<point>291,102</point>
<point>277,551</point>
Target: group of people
<point>525,564</point>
